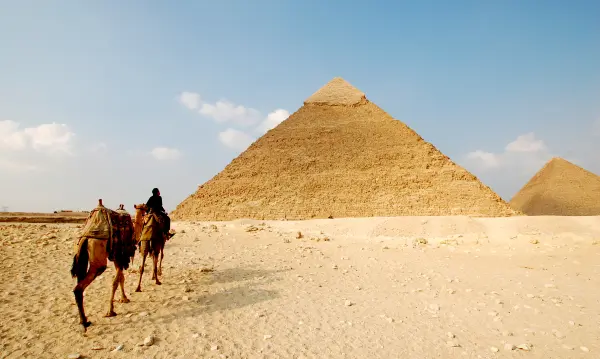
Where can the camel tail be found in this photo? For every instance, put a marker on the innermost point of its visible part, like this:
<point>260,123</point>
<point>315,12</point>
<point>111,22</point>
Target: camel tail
<point>80,262</point>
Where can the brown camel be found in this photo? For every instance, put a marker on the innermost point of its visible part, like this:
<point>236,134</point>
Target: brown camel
<point>106,235</point>
<point>151,240</point>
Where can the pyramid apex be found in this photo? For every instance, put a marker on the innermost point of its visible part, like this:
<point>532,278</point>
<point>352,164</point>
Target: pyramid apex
<point>337,92</point>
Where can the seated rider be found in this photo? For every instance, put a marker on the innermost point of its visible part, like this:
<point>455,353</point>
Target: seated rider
<point>154,204</point>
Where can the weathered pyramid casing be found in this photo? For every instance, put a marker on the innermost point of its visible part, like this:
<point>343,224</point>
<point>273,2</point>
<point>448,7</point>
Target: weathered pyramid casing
<point>560,188</point>
<point>340,155</point>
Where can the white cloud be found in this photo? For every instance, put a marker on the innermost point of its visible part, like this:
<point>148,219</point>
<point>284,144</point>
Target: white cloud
<point>222,111</point>
<point>10,136</point>
<point>525,154</point>
<point>165,153</point>
<point>191,100</point>
<point>526,143</point>
<point>51,137</point>
<point>235,139</point>
<point>486,159</point>
<point>47,138</point>
<point>273,119</point>
<point>225,111</point>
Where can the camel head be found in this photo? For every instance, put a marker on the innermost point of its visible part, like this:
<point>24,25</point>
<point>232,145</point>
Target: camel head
<point>140,208</point>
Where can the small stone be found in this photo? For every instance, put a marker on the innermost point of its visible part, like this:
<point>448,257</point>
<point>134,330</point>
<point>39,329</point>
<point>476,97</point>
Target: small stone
<point>493,314</point>
<point>390,320</point>
<point>214,347</point>
<point>549,285</point>
<point>494,349</point>
<point>187,290</point>
<point>568,347</point>
<point>558,334</point>
<point>584,349</point>
<point>525,347</point>
<point>358,288</point>
<point>267,336</point>
<point>434,307</point>
<point>534,241</point>
<point>143,314</point>
<point>185,297</point>
<point>195,335</point>
<point>451,291</point>
<point>468,290</point>
<point>571,323</point>
<point>499,302</point>
<point>119,348</point>
<point>128,315</point>
<point>334,266</point>
<point>450,335</point>
<point>530,296</point>
<point>74,356</point>
<point>509,347</point>
<point>348,303</point>
<point>506,333</point>
<point>452,344</point>
<point>149,341</point>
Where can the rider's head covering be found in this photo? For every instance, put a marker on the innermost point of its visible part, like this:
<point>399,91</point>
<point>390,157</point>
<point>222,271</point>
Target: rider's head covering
<point>155,191</point>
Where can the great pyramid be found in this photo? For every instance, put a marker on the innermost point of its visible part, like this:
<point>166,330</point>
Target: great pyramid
<point>340,155</point>
<point>560,188</point>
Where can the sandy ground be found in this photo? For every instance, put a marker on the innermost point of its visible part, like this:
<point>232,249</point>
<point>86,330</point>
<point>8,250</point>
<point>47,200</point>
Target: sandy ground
<point>349,288</point>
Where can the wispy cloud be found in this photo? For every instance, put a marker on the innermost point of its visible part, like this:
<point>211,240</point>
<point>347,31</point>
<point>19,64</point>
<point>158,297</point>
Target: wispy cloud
<point>166,153</point>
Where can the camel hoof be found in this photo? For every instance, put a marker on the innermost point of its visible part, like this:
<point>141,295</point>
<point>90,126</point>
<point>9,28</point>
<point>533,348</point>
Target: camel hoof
<point>110,314</point>
<point>125,300</point>
<point>158,283</point>
<point>86,325</point>
<point>138,289</point>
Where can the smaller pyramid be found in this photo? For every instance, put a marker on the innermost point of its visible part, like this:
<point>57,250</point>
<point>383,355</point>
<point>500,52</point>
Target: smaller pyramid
<point>560,188</point>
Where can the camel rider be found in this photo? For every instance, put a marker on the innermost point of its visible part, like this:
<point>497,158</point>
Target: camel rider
<point>155,205</point>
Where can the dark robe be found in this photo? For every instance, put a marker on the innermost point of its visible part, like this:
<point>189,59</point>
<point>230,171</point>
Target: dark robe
<point>154,204</point>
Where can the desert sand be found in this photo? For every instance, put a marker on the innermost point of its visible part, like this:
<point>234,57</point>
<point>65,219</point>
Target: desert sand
<point>405,287</point>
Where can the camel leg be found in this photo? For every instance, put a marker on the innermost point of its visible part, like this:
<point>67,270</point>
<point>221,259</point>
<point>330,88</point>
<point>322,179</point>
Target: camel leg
<point>155,268</point>
<point>80,288</point>
<point>124,298</point>
<point>139,287</point>
<point>162,255</point>
<point>115,284</point>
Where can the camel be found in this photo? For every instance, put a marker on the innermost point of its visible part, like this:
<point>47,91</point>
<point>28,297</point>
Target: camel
<point>151,241</point>
<point>106,235</point>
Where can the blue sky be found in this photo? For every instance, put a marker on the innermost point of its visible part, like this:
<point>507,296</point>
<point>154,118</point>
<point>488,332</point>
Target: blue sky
<point>90,89</point>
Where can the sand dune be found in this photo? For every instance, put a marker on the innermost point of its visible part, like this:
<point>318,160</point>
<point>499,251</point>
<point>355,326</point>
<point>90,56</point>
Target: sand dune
<point>408,287</point>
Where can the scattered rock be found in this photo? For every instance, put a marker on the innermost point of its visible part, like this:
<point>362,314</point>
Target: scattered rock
<point>568,347</point>
<point>149,341</point>
<point>530,296</point>
<point>419,242</point>
<point>185,297</point>
<point>534,241</point>
<point>267,336</point>
<point>494,349</point>
<point>509,347</point>
<point>452,344</point>
<point>74,356</point>
<point>348,303</point>
<point>558,334</point>
<point>525,347</point>
<point>451,291</point>
<point>549,285</point>
<point>214,347</point>
<point>584,349</point>
<point>143,314</point>
<point>299,235</point>
<point>334,266</point>
<point>571,323</point>
<point>119,348</point>
<point>506,333</point>
<point>493,314</point>
<point>450,335</point>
